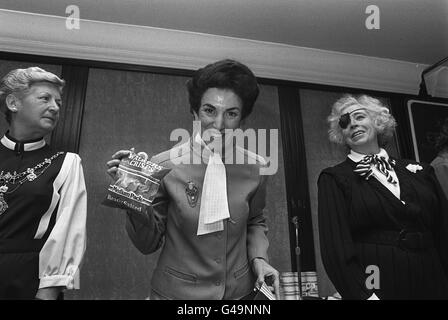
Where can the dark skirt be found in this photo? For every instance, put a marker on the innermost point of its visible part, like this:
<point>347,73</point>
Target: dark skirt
<point>19,269</point>
<point>405,274</point>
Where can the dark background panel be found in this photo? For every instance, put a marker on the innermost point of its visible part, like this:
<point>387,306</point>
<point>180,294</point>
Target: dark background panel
<point>300,221</point>
<point>427,118</point>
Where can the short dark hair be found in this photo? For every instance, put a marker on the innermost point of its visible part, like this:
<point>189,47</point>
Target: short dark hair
<point>441,141</point>
<point>224,74</point>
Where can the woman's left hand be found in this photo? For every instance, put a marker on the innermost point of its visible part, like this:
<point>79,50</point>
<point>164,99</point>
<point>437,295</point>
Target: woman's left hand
<point>264,270</point>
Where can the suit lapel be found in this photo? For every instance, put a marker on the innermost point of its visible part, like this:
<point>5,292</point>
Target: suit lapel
<point>386,192</point>
<point>406,181</point>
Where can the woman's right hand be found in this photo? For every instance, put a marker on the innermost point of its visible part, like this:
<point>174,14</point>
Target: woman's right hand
<point>113,164</point>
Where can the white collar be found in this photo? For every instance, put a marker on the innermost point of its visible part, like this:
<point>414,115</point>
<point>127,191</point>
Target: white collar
<point>27,146</point>
<point>356,157</point>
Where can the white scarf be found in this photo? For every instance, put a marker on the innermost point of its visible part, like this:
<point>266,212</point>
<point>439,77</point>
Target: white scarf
<point>214,207</point>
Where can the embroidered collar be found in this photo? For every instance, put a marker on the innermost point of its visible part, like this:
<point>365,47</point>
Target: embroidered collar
<point>356,157</point>
<point>21,146</point>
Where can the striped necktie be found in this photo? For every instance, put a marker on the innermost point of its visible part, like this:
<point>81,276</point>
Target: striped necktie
<point>364,167</point>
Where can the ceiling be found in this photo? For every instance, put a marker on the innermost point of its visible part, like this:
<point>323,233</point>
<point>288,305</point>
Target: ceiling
<point>410,30</point>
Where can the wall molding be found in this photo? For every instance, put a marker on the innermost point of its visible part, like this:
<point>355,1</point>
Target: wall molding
<point>29,33</point>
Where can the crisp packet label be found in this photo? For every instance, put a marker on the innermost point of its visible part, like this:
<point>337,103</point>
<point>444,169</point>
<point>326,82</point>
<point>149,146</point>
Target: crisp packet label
<point>140,161</point>
<point>136,186</point>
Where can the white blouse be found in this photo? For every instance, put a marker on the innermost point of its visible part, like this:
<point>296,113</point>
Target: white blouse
<point>62,253</point>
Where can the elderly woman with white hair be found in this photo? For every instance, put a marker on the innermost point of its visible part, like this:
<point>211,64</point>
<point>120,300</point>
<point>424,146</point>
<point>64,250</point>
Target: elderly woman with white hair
<point>383,222</point>
<point>42,193</point>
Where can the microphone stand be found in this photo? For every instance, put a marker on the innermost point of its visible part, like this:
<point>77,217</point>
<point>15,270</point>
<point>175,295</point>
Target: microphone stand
<point>295,221</point>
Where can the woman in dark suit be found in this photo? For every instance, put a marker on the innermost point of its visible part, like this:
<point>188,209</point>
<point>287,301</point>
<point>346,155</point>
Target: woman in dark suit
<point>213,239</point>
<point>383,222</point>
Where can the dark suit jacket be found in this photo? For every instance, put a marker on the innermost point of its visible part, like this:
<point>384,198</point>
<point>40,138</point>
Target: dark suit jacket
<point>210,266</point>
<point>351,207</point>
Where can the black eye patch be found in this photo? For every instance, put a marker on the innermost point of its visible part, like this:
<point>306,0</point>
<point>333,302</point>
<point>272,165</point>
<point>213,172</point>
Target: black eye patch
<point>344,120</point>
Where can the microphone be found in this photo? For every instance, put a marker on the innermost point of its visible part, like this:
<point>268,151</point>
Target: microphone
<point>295,221</point>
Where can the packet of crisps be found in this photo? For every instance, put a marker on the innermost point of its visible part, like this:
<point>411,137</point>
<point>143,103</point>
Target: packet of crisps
<point>137,184</point>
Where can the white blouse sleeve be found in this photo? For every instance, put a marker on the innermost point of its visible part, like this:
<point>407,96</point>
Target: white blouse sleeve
<point>62,253</point>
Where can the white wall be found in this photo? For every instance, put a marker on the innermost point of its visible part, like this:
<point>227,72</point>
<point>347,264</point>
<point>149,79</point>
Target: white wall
<point>47,35</point>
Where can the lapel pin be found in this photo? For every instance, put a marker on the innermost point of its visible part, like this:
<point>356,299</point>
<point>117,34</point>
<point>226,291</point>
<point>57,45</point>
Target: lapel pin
<point>192,193</point>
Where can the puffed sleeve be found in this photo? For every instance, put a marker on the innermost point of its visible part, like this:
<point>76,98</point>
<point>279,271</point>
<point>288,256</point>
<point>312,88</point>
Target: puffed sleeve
<point>441,220</point>
<point>257,241</point>
<point>146,230</point>
<point>63,251</point>
<point>336,244</point>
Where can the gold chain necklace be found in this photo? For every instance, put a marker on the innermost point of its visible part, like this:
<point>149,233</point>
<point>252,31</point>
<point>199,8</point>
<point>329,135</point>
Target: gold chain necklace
<point>30,174</point>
